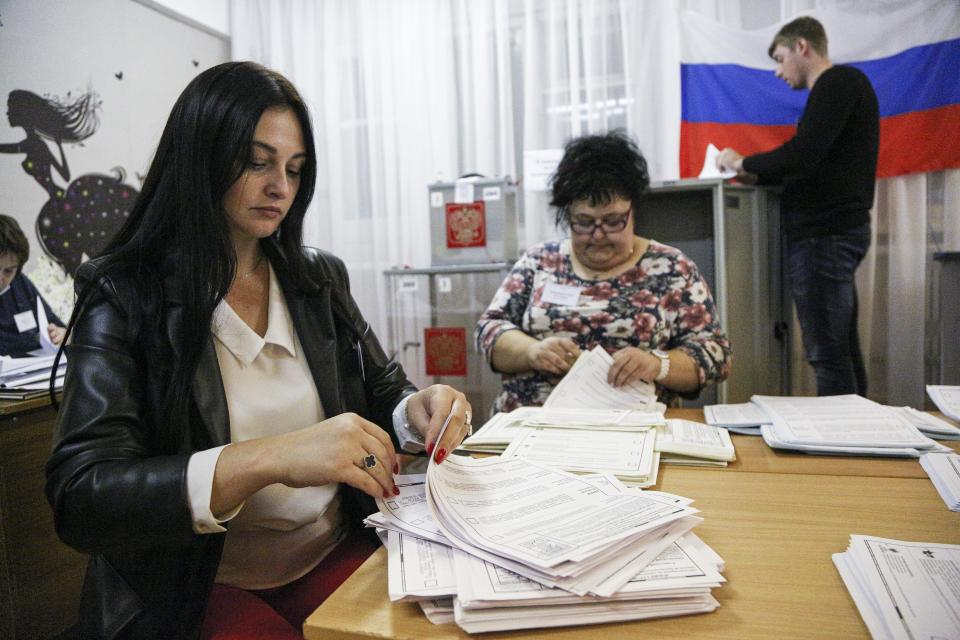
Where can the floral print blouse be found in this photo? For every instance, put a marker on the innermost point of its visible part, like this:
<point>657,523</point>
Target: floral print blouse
<point>661,303</point>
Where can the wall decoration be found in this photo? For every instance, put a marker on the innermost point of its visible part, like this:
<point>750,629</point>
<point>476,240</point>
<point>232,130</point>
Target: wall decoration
<point>446,351</point>
<point>77,220</point>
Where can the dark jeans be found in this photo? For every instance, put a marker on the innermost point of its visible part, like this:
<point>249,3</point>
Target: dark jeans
<point>821,273</point>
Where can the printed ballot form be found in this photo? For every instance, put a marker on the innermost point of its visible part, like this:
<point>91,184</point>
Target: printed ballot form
<point>903,590</point>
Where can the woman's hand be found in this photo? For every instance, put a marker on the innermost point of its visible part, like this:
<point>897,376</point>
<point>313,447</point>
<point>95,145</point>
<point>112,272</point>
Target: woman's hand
<point>631,364</point>
<point>553,355</point>
<point>56,333</point>
<point>428,409</point>
<point>345,448</point>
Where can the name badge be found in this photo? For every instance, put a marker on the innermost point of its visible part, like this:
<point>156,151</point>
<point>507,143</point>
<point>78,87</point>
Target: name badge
<point>25,321</point>
<point>562,294</point>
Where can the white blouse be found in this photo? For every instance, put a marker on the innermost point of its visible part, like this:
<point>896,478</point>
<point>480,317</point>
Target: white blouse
<point>279,533</point>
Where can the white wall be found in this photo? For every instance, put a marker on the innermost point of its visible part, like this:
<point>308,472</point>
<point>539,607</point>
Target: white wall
<point>137,59</point>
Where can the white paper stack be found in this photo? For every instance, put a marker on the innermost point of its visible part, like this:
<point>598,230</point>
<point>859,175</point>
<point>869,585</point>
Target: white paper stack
<point>841,425</point>
<point>944,472</point>
<point>744,418</point>
<point>685,442</point>
<point>903,589</point>
<point>506,544</point>
<point>498,432</point>
<point>628,455</point>
<point>947,399</point>
<point>28,377</point>
<point>929,425</point>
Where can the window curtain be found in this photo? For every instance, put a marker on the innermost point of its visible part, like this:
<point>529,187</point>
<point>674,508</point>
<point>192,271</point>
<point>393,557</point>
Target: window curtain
<point>406,92</point>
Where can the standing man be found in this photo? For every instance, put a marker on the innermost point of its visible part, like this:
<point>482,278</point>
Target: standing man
<point>828,172</point>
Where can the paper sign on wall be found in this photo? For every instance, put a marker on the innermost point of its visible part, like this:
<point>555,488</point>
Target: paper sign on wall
<point>446,351</point>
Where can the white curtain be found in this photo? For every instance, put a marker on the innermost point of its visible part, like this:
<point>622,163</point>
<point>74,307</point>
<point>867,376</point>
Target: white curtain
<point>406,92</point>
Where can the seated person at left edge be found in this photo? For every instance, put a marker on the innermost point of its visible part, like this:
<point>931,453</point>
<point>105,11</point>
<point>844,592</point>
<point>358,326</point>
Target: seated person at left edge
<point>19,333</point>
<point>642,301</point>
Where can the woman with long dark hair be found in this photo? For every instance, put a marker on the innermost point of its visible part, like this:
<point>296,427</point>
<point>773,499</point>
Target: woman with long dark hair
<point>221,376</point>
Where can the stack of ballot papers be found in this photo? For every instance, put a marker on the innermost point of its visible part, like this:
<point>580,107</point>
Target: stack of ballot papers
<point>944,472</point>
<point>947,399</point>
<point>903,589</point>
<point>585,386</point>
<point>841,425</point>
<point>692,443</point>
<point>499,544</point>
<point>28,377</point>
<point>744,418</point>
<point>498,432</point>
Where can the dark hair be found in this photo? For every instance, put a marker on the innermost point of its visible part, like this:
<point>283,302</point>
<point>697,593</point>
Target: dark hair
<point>599,168</point>
<point>69,120</point>
<point>178,221</point>
<point>12,240</point>
<point>804,27</point>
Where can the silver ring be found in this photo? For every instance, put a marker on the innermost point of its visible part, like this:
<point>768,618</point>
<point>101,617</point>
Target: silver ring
<point>370,462</point>
<point>469,428</point>
<point>469,416</point>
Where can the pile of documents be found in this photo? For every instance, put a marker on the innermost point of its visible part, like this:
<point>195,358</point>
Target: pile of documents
<point>747,418</point>
<point>498,544</point>
<point>841,425</point>
<point>692,443</point>
<point>903,589</point>
<point>947,399</point>
<point>944,472</point>
<point>28,377</point>
<point>744,418</point>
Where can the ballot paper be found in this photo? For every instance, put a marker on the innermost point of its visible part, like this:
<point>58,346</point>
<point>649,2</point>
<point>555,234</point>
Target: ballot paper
<point>944,472</point>
<point>903,590</point>
<point>929,425</point>
<point>843,425</point>
<point>694,440</point>
<point>499,431</point>
<point>28,376</point>
<point>419,569</point>
<point>628,455</point>
<point>585,386</point>
<point>710,169</point>
<point>947,399</point>
<point>543,523</point>
<point>46,345</point>
<point>744,418</point>
<point>492,599</point>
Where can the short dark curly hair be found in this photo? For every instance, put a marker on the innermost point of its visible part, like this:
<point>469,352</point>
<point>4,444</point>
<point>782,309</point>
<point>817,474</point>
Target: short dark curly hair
<point>599,168</point>
<point>12,239</point>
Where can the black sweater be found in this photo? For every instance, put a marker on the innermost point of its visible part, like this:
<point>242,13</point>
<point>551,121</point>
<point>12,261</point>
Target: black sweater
<point>828,169</point>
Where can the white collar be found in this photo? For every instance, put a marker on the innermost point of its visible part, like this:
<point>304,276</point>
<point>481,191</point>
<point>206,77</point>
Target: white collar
<point>242,341</point>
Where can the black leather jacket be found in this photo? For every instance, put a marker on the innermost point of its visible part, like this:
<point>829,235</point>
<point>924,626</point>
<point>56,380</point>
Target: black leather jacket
<point>119,491</point>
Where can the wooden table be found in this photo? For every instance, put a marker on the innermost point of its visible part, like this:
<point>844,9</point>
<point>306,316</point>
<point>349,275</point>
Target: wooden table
<point>775,519</point>
<point>40,577</point>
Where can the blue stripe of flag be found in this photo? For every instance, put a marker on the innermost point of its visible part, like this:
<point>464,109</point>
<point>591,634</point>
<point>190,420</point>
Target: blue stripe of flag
<point>924,77</point>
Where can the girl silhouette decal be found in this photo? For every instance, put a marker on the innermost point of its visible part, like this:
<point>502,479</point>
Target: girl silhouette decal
<point>77,221</point>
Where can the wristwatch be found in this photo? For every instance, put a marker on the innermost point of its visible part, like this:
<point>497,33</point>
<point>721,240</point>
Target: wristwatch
<point>664,364</point>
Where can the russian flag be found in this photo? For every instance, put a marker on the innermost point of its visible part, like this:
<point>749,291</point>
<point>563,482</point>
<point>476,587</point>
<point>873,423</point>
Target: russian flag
<point>730,97</point>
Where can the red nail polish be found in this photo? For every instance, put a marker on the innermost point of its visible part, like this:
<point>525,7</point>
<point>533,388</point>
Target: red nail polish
<point>396,490</point>
<point>386,494</point>
<point>430,448</point>
<point>441,455</point>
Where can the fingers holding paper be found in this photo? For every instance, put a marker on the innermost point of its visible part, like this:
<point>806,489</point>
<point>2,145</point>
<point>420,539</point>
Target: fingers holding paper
<point>430,409</point>
<point>553,355</point>
<point>631,364</point>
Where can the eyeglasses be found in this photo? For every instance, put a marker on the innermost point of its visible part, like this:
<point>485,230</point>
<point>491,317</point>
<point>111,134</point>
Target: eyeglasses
<point>613,223</point>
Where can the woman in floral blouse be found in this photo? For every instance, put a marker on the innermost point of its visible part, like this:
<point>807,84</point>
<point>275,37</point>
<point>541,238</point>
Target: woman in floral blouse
<point>644,302</point>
